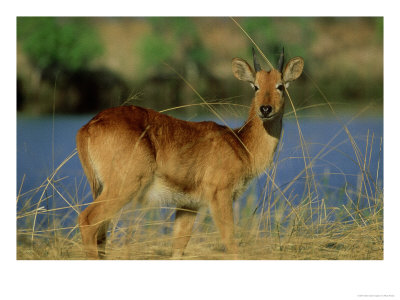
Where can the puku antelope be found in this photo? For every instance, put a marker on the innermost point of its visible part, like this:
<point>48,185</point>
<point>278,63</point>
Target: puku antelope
<point>133,153</point>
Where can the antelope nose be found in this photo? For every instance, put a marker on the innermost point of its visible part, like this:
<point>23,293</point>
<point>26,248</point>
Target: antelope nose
<point>266,110</point>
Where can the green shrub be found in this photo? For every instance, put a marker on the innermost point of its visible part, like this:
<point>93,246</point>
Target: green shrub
<point>154,50</point>
<point>174,39</point>
<point>58,43</point>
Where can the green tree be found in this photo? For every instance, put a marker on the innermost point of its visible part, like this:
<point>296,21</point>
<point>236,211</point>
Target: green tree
<point>58,43</point>
<point>172,39</point>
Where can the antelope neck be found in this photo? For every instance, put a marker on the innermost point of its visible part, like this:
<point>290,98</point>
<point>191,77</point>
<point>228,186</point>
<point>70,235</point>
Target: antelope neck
<point>261,138</point>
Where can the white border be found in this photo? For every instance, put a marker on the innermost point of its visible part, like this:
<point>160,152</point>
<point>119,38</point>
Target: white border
<point>199,279</point>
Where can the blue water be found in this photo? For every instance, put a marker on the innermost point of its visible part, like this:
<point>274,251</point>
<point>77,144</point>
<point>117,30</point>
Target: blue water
<point>42,147</point>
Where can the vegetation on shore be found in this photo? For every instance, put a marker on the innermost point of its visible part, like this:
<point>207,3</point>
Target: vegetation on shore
<point>96,63</point>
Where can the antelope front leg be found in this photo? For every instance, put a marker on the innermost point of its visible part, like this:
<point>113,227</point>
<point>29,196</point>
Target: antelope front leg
<point>184,220</point>
<point>222,212</point>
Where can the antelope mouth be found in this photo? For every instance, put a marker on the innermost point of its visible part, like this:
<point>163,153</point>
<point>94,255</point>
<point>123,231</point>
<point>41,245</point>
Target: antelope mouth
<point>268,118</point>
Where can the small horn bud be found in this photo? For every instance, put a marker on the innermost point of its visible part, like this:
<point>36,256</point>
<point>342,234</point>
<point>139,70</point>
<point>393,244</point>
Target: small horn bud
<point>281,60</point>
<point>257,66</point>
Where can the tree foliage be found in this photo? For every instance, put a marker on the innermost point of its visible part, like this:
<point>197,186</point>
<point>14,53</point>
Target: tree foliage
<point>58,43</point>
<point>172,39</point>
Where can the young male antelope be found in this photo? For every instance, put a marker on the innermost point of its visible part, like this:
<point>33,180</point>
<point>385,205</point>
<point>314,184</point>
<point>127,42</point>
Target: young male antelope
<point>133,153</point>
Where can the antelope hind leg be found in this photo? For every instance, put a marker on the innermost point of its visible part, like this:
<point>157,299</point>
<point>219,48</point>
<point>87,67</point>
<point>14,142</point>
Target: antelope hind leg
<point>184,220</point>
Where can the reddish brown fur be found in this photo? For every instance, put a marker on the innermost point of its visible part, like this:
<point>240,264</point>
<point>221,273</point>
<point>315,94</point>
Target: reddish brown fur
<point>136,153</point>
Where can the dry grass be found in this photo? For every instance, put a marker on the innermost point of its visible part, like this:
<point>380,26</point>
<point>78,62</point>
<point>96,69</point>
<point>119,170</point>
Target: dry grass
<point>335,241</point>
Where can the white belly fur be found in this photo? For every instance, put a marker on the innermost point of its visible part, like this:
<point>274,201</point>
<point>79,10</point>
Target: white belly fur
<point>159,192</point>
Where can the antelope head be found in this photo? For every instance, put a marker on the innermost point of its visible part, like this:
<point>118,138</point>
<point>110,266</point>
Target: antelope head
<point>268,85</point>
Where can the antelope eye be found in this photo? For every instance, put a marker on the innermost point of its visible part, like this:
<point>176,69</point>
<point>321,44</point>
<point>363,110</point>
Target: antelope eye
<point>280,87</point>
<point>255,88</point>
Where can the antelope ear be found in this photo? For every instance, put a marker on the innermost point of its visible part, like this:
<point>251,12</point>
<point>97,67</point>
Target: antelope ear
<point>242,70</point>
<point>293,69</point>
